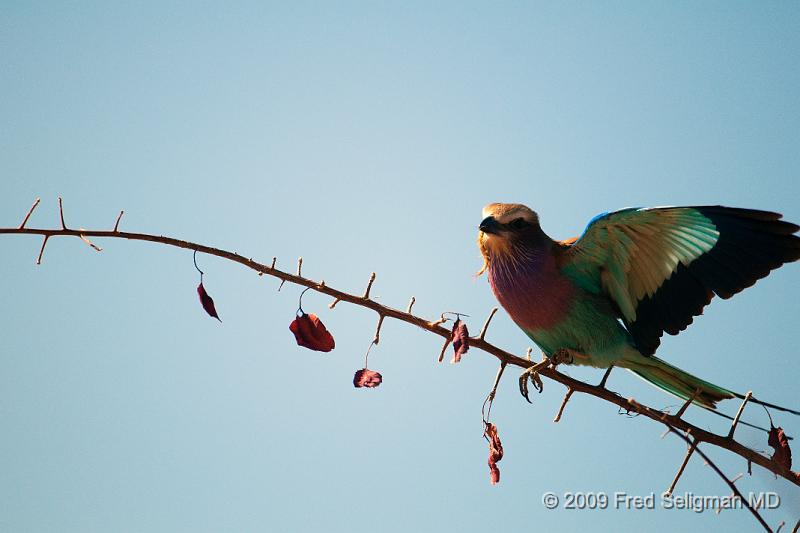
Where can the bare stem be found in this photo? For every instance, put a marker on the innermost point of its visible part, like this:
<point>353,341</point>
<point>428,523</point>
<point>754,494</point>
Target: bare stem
<point>436,328</point>
<point>725,478</point>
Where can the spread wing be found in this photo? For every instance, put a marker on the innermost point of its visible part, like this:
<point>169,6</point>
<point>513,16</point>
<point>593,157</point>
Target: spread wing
<point>661,266</point>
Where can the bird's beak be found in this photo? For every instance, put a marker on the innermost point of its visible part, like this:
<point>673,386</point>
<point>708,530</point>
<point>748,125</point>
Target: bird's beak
<point>489,225</point>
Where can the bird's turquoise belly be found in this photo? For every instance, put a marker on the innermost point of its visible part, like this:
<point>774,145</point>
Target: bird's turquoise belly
<point>587,329</point>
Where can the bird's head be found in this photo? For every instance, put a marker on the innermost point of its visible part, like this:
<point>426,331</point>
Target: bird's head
<point>503,226</point>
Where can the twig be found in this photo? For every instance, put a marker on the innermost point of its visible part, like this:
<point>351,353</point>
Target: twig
<point>119,217</point>
<point>435,327</point>
<point>486,324</point>
<point>563,404</point>
<point>30,211</point>
<point>739,413</point>
<point>692,447</point>
<point>369,286</point>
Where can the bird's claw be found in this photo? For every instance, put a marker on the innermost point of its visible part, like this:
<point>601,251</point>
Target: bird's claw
<point>532,373</point>
<point>559,356</point>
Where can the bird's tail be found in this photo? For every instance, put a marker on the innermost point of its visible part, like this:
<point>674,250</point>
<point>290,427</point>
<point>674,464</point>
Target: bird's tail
<point>677,382</point>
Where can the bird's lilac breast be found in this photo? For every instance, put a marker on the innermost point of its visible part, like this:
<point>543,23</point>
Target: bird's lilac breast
<point>534,293</point>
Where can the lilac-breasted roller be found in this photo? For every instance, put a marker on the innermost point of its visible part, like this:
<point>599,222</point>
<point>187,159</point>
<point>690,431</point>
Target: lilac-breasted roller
<point>607,297</point>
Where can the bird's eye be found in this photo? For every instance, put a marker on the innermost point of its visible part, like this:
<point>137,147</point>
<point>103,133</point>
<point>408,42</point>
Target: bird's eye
<point>517,223</point>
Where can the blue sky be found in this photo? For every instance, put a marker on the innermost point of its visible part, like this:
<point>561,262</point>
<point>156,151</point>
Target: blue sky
<point>363,137</point>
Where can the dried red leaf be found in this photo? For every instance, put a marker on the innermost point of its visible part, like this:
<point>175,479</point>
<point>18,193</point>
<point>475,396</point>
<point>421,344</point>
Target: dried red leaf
<point>367,378</point>
<point>460,340</point>
<point>778,440</point>
<point>310,332</point>
<point>207,302</point>
<point>495,452</point>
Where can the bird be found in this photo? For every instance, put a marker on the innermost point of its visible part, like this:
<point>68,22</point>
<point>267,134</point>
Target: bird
<point>604,299</point>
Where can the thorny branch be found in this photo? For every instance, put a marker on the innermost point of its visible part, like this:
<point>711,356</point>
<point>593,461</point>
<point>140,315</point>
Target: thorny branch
<point>731,483</point>
<point>675,423</point>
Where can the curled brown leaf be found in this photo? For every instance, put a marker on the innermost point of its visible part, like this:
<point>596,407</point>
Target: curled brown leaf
<point>495,451</point>
<point>311,333</point>
<point>207,302</point>
<point>778,440</point>
<point>460,339</point>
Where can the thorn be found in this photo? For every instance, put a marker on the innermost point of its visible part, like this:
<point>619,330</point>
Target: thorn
<point>377,338</point>
<point>90,243</point>
<point>299,267</point>
<point>61,212</point>
<point>486,324</point>
<point>30,211</point>
<point>444,349</point>
<point>369,286</point>
<point>281,285</point>
<point>41,251</point>
<point>602,383</point>
<point>739,413</point>
<point>686,405</point>
<point>410,305</point>
<point>435,323</point>
<point>272,266</point>
<point>689,453</point>
<point>563,404</point>
<point>116,224</point>
<point>333,303</point>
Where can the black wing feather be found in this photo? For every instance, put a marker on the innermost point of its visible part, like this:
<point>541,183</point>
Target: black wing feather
<point>751,244</point>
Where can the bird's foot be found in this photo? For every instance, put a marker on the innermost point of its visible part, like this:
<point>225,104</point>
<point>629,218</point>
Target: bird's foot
<point>532,373</point>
